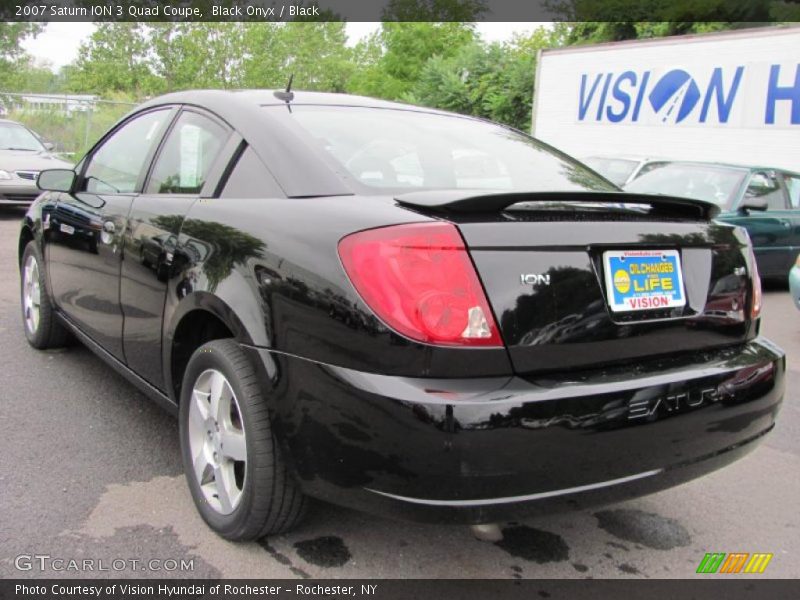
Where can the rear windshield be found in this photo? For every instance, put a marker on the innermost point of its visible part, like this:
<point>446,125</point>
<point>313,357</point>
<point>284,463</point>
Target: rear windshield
<point>712,183</point>
<point>404,150</point>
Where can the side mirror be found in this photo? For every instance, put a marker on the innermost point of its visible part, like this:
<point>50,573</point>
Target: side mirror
<point>49,146</point>
<point>56,180</point>
<point>749,204</point>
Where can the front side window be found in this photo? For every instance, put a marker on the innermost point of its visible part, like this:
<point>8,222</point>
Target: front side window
<point>764,187</point>
<point>188,155</point>
<point>389,150</point>
<point>115,168</point>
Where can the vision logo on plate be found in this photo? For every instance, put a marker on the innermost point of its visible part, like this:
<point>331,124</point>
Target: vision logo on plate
<point>643,280</point>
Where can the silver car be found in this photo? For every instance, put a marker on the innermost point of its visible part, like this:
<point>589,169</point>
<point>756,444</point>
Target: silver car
<point>621,170</point>
<point>22,155</point>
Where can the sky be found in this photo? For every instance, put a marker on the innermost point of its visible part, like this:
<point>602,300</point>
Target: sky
<point>58,43</point>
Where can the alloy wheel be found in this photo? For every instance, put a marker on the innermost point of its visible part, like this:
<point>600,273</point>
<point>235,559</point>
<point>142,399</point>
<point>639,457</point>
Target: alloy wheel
<point>31,294</point>
<point>217,441</point>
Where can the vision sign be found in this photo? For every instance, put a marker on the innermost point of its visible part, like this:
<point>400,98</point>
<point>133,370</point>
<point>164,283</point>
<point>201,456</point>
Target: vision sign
<point>752,95</point>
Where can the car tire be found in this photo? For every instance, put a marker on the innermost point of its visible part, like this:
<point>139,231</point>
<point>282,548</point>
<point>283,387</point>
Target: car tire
<point>224,418</point>
<point>43,330</point>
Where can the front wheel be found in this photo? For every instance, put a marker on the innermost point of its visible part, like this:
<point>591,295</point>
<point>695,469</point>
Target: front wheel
<point>234,468</point>
<point>42,328</point>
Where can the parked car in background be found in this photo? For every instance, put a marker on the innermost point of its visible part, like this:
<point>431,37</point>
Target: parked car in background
<point>794,282</point>
<point>764,200</point>
<point>23,155</point>
<point>620,170</point>
<point>320,289</point>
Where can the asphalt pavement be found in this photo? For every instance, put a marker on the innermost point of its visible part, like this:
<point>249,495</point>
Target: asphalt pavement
<point>90,470</point>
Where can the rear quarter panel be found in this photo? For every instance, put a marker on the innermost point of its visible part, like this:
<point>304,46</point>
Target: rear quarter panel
<point>270,267</point>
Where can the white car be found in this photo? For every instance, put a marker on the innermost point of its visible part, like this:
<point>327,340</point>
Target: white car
<point>621,170</point>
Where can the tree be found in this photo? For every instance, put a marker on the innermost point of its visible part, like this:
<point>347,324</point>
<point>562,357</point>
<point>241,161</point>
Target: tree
<point>314,52</point>
<point>115,59</point>
<point>494,81</point>
<point>590,21</point>
<point>400,52</point>
<point>630,12</point>
<point>434,10</point>
<point>196,55</point>
<point>29,75</point>
<point>12,55</point>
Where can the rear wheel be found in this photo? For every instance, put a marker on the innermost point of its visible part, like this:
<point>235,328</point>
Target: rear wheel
<point>42,328</point>
<point>236,474</point>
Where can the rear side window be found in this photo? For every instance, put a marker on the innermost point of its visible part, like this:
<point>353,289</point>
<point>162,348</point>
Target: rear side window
<point>187,156</point>
<point>793,186</point>
<point>251,179</point>
<point>115,168</point>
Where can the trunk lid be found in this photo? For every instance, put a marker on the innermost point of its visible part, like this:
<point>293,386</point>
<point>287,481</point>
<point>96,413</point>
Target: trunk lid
<point>544,268</point>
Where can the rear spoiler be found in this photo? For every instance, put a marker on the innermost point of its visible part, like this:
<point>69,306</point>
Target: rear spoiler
<point>479,201</point>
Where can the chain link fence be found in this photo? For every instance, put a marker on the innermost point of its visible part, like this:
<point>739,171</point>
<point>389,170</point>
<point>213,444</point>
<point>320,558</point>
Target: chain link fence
<point>72,122</point>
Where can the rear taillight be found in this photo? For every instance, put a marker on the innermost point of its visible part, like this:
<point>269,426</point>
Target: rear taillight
<point>420,281</point>
<point>755,308</point>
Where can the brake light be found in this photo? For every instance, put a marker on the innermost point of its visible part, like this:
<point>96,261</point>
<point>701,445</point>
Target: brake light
<point>755,309</point>
<point>420,281</point>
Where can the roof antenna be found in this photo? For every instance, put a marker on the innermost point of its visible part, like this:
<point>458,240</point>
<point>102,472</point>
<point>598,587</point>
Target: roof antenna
<point>287,96</point>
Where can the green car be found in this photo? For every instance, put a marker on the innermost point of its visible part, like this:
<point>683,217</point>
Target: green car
<point>763,200</point>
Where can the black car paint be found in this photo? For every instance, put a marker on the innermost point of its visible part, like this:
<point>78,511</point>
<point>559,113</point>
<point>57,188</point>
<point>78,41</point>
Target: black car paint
<point>486,448</point>
<point>369,418</point>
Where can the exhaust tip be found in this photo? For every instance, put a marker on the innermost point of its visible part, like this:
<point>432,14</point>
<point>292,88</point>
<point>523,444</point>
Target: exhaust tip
<point>487,532</point>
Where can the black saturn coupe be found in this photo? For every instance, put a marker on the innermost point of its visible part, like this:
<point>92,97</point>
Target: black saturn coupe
<point>399,310</point>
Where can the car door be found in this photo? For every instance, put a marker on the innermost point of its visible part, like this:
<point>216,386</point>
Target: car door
<point>791,182</point>
<point>770,229</point>
<point>87,226</point>
<point>185,169</point>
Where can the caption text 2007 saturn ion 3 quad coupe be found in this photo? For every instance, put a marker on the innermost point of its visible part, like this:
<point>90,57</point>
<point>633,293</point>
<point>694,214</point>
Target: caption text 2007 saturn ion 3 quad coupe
<point>399,310</point>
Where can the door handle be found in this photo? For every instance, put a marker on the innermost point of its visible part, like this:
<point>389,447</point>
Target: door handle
<point>109,227</point>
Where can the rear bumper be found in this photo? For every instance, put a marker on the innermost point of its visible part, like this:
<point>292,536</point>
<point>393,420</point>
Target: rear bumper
<point>478,450</point>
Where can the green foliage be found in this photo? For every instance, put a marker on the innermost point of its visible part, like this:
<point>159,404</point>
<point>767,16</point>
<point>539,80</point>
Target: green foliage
<point>673,11</point>
<point>114,60</point>
<point>395,58</point>
<point>494,81</point>
<point>593,22</point>
<point>314,52</point>
<point>163,57</point>
<point>195,55</point>
<point>440,63</point>
<point>464,11</point>
<point>73,133</point>
<point>30,76</point>
<point>12,56</point>
<point>784,12</point>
